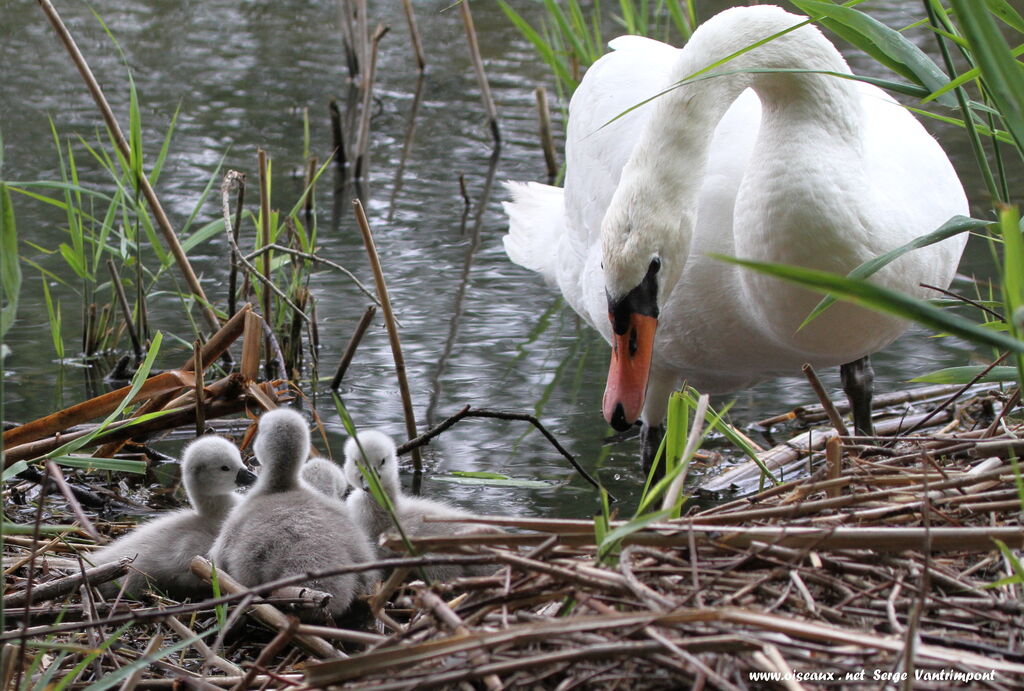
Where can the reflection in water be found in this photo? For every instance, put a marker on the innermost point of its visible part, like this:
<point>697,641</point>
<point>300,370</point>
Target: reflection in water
<point>476,330</point>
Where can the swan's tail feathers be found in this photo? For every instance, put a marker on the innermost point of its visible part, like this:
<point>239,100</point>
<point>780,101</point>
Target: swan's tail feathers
<point>536,223</point>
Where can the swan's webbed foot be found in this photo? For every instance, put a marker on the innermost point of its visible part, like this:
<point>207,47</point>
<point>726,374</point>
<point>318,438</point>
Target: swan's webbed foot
<point>650,440</point>
<point>858,378</point>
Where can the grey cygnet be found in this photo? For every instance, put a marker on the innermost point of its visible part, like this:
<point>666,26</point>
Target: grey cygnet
<point>211,470</point>
<point>326,477</point>
<point>378,450</point>
<point>284,527</point>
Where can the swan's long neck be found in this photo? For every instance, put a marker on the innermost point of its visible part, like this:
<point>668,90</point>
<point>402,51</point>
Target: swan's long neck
<point>661,182</point>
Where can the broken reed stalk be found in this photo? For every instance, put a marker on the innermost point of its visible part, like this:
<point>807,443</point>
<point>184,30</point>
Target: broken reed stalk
<point>170,237</point>
<point>311,167</point>
<point>337,133</point>
<point>389,321</point>
<point>348,41</point>
<point>353,344</point>
<point>62,586</point>
<point>264,240</point>
<point>363,141</point>
<point>834,464</point>
<point>126,309</point>
<point>414,33</point>
<point>547,141</point>
<point>478,68</point>
<point>826,403</point>
<point>197,358</point>
<point>233,232</point>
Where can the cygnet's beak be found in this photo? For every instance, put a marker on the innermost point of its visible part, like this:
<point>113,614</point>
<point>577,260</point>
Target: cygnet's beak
<point>244,477</point>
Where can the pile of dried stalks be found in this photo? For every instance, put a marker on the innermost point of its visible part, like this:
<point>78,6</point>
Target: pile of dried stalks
<point>877,566</point>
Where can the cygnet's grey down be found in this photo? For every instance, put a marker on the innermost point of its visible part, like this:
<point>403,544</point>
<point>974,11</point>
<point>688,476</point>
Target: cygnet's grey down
<point>211,470</point>
<point>284,527</point>
<point>378,450</point>
<point>326,477</point>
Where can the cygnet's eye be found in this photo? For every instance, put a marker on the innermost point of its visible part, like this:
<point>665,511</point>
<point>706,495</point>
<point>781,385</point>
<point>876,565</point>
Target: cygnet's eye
<point>382,461</point>
<point>225,468</point>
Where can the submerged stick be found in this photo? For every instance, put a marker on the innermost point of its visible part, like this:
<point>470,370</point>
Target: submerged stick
<point>126,310</point>
<point>353,344</point>
<point>170,237</point>
<point>389,321</point>
<point>478,67</point>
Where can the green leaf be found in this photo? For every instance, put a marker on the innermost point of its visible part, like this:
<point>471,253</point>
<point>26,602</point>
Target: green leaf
<point>963,375</point>
<point>479,474</point>
<point>10,268</point>
<point>495,482</point>
<point>13,469</point>
<point>954,226</point>
<point>117,677</point>
<point>1002,74</point>
<point>18,529</point>
<point>615,537</point>
<point>886,45</point>
<point>1002,9</point>
<point>884,300</point>
<point>119,465</point>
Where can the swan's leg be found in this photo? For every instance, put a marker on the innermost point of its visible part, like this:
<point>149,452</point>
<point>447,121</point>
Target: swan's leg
<point>650,440</point>
<point>858,379</point>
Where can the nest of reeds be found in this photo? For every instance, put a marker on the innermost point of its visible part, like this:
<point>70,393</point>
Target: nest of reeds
<point>892,560</point>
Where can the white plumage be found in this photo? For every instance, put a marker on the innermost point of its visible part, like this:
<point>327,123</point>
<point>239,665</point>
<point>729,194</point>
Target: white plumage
<point>791,166</point>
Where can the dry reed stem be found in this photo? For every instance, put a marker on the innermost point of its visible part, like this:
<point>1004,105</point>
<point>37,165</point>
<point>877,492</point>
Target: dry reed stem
<point>826,402</point>
<point>478,68</point>
<point>126,310</point>
<point>170,237</point>
<point>363,139</point>
<point>389,322</point>
<point>414,34</point>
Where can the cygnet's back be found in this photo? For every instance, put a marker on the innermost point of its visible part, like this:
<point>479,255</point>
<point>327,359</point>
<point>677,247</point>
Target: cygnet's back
<point>377,450</point>
<point>211,470</point>
<point>285,527</point>
<point>325,477</point>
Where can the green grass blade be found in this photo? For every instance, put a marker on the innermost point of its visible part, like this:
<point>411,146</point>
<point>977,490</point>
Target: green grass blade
<point>886,45</point>
<point>542,46</point>
<point>884,300</point>
<point>963,375</point>
<point>53,313</point>
<point>1002,74</point>
<point>1010,16</point>
<point>119,465</point>
<point>952,227</point>
<point>10,267</point>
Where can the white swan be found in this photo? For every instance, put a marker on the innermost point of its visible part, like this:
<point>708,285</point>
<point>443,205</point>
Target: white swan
<point>413,513</point>
<point>326,477</point>
<point>284,527</point>
<point>792,167</point>
<point>211,470</point>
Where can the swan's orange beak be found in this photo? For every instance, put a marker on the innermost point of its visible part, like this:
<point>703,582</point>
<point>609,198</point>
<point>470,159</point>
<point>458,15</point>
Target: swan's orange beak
<point>629,369</point>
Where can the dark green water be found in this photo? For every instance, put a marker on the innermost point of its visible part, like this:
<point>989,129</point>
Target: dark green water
<point>477,330</point>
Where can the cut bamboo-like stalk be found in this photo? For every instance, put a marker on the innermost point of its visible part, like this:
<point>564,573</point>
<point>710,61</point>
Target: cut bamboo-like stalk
<point>547,142</point>
<point>265,258</point>
<point>389,321</point>
<point>478,67</point>
<point>239,178</point>
<point>170,237</point>
<point>826,403</point>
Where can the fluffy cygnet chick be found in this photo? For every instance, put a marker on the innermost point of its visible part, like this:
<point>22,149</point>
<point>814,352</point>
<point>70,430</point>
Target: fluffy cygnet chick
<point>326,477</point>
<point>211,470</point>
<point>378,450</point>
<point>284,527</point>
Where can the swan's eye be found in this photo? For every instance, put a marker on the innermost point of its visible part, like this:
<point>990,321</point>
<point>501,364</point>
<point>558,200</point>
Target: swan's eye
<point>655,265</point>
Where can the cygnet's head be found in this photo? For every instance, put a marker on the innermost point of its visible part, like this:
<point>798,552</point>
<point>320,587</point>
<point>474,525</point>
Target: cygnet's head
<point>378,451</point>
<point>326,477</point>
<point>282,444</point>
<point>212,466</point>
